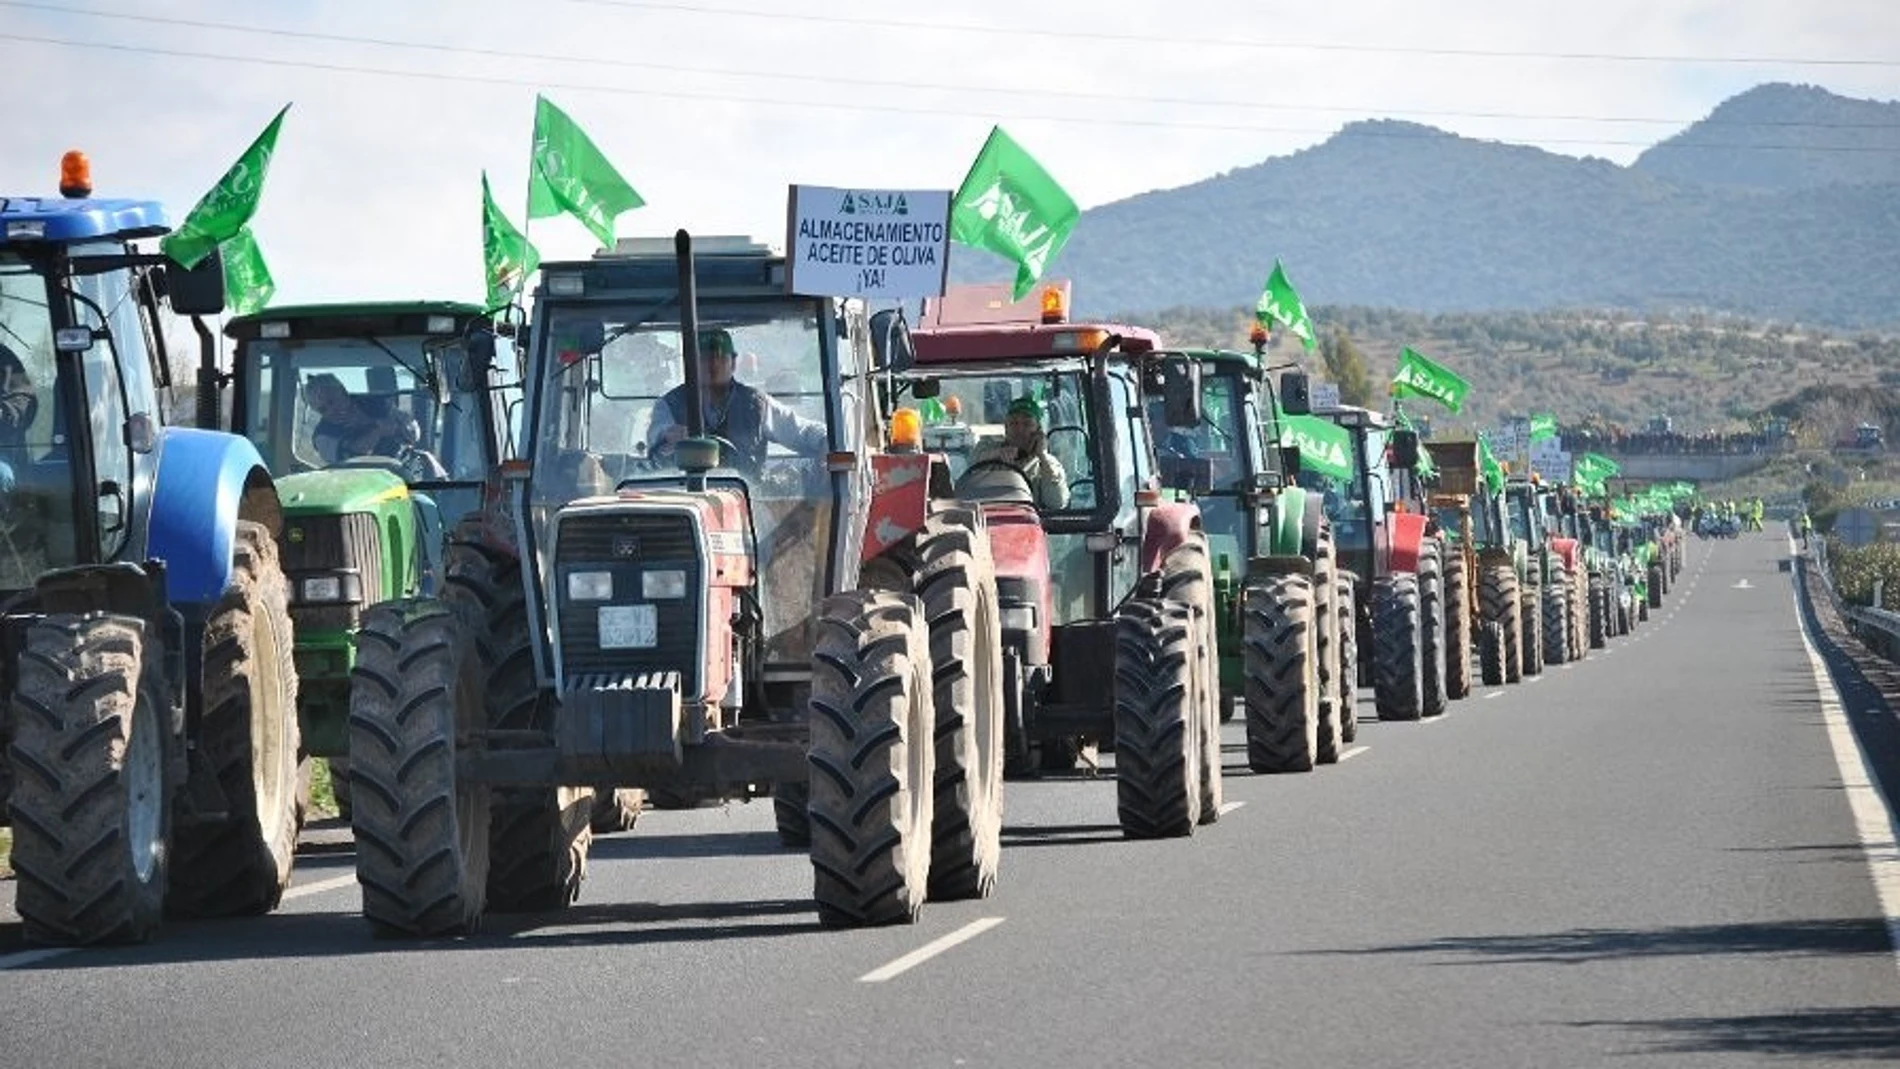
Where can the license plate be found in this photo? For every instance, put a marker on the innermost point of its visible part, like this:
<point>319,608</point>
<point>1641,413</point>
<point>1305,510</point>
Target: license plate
<point>629,627</point>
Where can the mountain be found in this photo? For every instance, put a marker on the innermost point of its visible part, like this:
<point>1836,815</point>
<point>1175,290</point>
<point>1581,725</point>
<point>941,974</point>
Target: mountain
<point>1399,215</point>
<point>1784,137</point>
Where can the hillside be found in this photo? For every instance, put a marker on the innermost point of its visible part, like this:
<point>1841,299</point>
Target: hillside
<point>1393,214</point>
<point>1703,373</point>
<point>1784,137</point>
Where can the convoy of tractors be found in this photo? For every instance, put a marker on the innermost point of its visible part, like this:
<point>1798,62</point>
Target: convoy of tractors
<point>512,584</point>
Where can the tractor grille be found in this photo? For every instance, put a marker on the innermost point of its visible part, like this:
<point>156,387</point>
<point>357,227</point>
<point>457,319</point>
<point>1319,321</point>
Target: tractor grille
<point>328,545</point>
<point>628,544</point>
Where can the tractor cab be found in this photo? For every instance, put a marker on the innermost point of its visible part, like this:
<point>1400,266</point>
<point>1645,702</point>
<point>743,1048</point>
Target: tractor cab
<point>383,423</point>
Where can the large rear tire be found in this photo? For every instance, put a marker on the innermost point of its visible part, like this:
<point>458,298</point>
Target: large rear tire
<point>1498,606</point>
<point>1280,655</point>
<point>1457,627</point>
<point>1556,621</point>
<point>90,803</point>
<point>539,837</point>
<point>249,735</point>
<point>1157,731</point>
<point>1432,652</point>
<point>1599,614</point>
<point>1531,613</point>
<point>616,809</point>
<point>956,581</point>
<point>1187,576</point>
<point>421,829</point>
<point>1398,668</point>
<point>1331,734</point>
<point>873,760</point>
<point>1347,606</point>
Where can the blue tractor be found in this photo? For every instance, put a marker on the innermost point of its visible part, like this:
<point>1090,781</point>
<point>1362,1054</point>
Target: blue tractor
<point>150,726</point>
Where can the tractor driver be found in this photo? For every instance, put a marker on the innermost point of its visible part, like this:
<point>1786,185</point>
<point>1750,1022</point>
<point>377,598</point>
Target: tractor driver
<point>18,406</point>
<point>353,426</point>
<point>744,415</point>
<point>1023,447</point>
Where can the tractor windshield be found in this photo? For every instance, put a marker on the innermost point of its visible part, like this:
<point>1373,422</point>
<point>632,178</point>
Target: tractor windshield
<point>1519,512</point>
<point>1018,433</point>
<point>312,403</point>
<point>1211,460</point>
<point>36,489</point>
<point>611,407</point>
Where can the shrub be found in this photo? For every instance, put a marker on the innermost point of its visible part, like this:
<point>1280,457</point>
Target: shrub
<point>1856,569</point>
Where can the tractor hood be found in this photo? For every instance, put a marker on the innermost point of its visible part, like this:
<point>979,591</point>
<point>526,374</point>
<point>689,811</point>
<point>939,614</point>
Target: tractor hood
<point>340,490</point>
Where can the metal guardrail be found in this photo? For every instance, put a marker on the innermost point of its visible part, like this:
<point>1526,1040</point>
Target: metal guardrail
<point>1877,629</point>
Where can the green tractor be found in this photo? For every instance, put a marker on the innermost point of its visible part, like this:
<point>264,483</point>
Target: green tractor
<point>1288,648</point>
<point>379,420</point>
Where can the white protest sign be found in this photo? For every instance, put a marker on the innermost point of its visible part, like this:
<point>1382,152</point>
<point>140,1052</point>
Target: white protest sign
<point>1324,395</point>
<point>890,243</point>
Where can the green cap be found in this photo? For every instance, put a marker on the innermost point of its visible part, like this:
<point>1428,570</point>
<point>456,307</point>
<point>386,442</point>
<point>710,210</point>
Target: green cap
<point>1028,406</point>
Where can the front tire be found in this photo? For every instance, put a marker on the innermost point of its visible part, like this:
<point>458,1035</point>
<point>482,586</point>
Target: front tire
<point>1157,729</point>
<point>1280,657</point>
<point>90,803</point>
<point>421,830</point>
<point>1398,646</point>
<point>873,760</point>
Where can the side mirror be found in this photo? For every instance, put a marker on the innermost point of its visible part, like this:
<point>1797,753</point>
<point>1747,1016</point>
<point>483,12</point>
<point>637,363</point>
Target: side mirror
<point>1181,392</point>
<point>1290,460</point>
<point>890,341</point>
<point>1296,397</point>
<point>1404,449</point>
<point>926,386</point>
<point>199,291</point>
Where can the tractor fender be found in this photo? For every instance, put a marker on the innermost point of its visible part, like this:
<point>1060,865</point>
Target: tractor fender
<point>900,500</point>
<point>1168,525</point>
<point>1408,537</point>
<point>205,482</point>
<point>1019,549</point>
<point>1566,548</point>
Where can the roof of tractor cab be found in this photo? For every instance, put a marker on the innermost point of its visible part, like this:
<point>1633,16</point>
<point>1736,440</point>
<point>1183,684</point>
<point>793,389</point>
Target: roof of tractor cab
<point>724,266</point>
<point>61,220</point>
<point>978,323</point>
<point>1354,416</point>
<point>346,319</point>
<point>1247,362</point>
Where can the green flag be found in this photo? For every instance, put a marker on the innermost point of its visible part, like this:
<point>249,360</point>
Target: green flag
<point>248,286</point>
<point>1325,446</point>
<point>1420,377</point>
<point>222,212</point>
<point>1010,206</point>
<point>566,173</point>
<point>1488,463</point>
<point>1595,467</point>
<point>1543,426</point>
<point>507,255</point>
<point>1280,302</point>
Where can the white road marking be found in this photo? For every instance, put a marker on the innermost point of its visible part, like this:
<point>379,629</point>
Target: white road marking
<point>930,950</point>
<point>1539,678</point>
<point>1873,812</point>
<point>1495,694</point>
<point>1347,756</point>
<point>1743,584</point>
<point>331,884</point>
<point>1229,807</point>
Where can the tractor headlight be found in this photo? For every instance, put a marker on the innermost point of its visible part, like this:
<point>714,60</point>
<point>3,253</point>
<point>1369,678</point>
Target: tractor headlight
<point>323,588</point>
<point>590,586</point>
<point>1017,617</point>
<point>663,585</point>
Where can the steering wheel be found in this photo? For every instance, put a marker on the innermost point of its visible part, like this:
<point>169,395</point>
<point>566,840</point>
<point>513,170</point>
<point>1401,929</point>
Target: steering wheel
<point>1025,490</point>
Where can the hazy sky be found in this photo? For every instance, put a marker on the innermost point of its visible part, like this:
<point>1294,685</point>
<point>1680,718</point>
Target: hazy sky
<point>712,107</point>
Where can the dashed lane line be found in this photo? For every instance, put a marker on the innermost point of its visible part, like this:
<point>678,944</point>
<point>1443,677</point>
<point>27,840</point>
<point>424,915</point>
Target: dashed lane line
<point>930,950</point>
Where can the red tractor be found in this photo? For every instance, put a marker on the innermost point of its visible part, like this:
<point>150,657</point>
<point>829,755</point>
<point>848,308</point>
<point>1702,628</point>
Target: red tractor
<point>1106,589</point>
<point>709,599</point>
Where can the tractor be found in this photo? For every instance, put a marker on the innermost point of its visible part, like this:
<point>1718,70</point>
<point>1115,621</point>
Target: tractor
<point>1386,536</point>
<point>151,727</point>
<point>1469,506</point>
<point>1284,608</point>
<point>683,606</point>
<point>1106,586</point>
<point>364,519</point>
<point>1566,618</point>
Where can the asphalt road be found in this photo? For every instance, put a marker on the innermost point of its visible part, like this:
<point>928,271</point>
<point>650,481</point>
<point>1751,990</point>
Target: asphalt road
<point>1651,857</point>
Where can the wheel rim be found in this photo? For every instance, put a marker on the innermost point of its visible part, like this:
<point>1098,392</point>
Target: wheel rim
<point>144,770</point>
<point>272,778</point>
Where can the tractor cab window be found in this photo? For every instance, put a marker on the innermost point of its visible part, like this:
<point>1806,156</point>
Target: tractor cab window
<point>1210,457</point>
<point>611,408</point>
<point>1519,516</point>
<point>1021,434</point>
<point>36,488</point>
<point>314,403</point>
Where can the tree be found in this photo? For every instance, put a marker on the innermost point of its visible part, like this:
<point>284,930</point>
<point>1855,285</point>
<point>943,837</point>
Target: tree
<point>1346,367</point>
